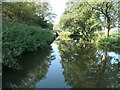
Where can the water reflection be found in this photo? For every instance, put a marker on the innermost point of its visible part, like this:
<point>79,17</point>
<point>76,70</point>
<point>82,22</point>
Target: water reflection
<point>68,64</point>
<point>54,77</point>
<point>34,68</point>
<point>87,67</point>
<point>38,71</point>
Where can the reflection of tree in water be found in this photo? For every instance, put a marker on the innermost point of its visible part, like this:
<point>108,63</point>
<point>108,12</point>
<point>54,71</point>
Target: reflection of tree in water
<point>85,68</point>
<point>34,68</point>
<point>109,71</point>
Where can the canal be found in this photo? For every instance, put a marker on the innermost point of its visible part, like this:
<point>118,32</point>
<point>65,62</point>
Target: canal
<point>65,64</point>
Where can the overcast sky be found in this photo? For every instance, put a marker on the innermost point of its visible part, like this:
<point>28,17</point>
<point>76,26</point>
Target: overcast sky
<point>58,7</point>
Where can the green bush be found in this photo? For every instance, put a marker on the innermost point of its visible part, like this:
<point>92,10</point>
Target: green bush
<point>18,38</point>
<point>109,42</point>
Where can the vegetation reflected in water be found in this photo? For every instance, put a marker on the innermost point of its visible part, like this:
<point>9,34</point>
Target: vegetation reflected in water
<point>84,66</point>
<point>87,67</point>
<point>34,68</point>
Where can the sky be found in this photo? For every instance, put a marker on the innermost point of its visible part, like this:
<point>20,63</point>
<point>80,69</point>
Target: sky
<point>58,7</point>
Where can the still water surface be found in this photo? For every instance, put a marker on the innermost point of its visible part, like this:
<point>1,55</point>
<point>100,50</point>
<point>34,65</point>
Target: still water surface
<point>65,65</point>
<point>54,77</point>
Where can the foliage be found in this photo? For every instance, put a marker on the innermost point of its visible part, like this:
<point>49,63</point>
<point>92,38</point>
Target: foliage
<point>108,12</point>
<point>65,35</point>
<point>110,43</point>
<point>85,18</point>
<point>29,12</point>
<point>80,19</point>
<point>18,38</point>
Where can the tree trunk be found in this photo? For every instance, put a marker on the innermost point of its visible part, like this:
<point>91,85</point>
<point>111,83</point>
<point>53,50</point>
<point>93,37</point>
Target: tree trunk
<point>107,25</point>
<point>107,19</point>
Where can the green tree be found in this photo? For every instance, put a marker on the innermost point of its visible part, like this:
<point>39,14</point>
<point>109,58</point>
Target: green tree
<point>109,12</point>
<point>79,18</point>
<point>29,12</point>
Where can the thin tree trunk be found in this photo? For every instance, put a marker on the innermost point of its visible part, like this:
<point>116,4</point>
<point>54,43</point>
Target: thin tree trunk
<point>107,20</point>
<point>107,25</point>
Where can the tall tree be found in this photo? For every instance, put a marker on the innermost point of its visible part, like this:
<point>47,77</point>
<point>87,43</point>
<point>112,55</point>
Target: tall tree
<point>81,19</point>
<point>109,12</point>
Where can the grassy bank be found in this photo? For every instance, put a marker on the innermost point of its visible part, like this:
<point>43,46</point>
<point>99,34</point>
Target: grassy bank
<point>18,38</point>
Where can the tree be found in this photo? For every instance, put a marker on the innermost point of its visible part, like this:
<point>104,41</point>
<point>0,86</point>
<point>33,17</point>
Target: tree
<point>19,10</point>
<point>88,17</point>
<point>30,13</point>
<point>44,10</point>
<point>79,18</point>
<point>108,10</point>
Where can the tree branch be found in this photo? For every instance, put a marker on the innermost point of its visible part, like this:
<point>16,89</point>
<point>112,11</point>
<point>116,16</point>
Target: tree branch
<point>101,9</point>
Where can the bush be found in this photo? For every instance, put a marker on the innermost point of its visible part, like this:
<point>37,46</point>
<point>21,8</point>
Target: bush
<point>18,38</point>
<point>110,42</point>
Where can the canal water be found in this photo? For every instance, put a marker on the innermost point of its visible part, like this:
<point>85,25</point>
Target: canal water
<point>65,65</point>
<point>54,77</point>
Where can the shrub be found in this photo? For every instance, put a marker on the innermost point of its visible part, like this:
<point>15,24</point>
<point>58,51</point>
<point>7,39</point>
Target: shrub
<point>112,42</point>
<point>18,38</point>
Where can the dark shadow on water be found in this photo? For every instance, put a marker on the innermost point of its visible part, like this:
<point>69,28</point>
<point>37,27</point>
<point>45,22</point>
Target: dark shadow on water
<point>34,67</point>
